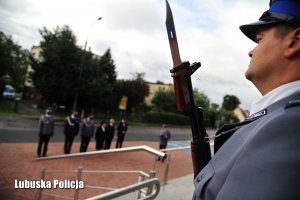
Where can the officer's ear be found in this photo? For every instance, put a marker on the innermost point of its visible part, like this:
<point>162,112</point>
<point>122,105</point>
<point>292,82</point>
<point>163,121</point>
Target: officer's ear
<point>294,44</point>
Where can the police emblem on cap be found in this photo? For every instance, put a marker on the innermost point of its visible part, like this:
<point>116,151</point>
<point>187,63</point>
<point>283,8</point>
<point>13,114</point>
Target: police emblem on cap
<point>280,11</point>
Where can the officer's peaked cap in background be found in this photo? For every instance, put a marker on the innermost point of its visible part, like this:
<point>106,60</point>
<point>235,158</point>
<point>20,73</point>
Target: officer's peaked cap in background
<point>280,11</point>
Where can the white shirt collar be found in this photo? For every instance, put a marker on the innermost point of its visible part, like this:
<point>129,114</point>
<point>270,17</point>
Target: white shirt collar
<point>275,95</point>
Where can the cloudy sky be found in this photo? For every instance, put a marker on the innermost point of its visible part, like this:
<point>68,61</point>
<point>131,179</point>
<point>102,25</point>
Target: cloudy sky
<point>134,30</point>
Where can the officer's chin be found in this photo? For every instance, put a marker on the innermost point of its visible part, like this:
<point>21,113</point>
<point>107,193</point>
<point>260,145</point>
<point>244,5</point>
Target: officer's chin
<point>248,75</point>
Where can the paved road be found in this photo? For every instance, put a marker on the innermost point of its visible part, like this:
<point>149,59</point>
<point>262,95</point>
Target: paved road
<point>24,129</point>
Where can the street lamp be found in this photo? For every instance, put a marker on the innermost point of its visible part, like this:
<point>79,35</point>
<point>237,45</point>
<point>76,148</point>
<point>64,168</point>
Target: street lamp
<point>87,37</point>
<point>82,64</point>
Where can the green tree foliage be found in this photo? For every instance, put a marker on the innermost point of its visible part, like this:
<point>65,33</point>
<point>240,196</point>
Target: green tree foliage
<point>226,114</point>
<point>135,89</point>
<point>166,118</point>
<point>66,70</point>
<point>108,67</point>
<point>227,117</point>
<point>13,63</point>
<point>201,99</point>
<point>98,83</point>
<point>55,74</point>
<point>230,102</point>
<point>164,101</point>
<point>209,110</point>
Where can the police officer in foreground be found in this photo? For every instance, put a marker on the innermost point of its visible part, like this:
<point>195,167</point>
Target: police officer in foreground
<point>261,160</point>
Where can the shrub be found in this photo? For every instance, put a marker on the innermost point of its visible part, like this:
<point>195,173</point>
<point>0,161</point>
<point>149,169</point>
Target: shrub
<point>166,118</point>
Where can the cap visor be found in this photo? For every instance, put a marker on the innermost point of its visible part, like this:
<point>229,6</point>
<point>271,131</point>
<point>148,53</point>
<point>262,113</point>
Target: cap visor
<point>250,30</point>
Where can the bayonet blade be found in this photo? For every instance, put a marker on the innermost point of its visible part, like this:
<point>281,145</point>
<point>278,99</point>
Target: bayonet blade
<point>185,103</point>
<point>180,84</point>
<point>172,36</point>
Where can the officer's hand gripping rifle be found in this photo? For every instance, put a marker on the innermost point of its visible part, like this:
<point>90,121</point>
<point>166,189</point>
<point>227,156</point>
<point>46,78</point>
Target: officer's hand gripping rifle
<point>181,73</point>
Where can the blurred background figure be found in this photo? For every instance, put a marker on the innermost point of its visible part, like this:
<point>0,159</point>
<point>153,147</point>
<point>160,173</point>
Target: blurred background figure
<point>122,129</point>
<point>71,129</point>
<point>100,135</point>
<point>46,130</point>
<point>164,136</point>
<point>87,132</point>
<point>110,132</point>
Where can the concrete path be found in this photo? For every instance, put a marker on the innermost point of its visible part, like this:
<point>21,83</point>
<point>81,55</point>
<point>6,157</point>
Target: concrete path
<point>177,189</point>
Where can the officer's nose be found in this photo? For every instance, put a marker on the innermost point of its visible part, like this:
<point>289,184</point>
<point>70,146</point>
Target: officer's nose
<point>250,53</point>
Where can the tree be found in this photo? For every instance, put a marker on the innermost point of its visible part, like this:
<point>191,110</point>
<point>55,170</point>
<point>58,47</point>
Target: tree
<point>55,74</point>
<point>13,62</point>
<point>108,71</point>
<point>226,114</point>
<point>98,82</point>
<point>65,71</point>
<point>164,101</point>
<point>230,102</point>
<point>108,67</point>
<point>136,90</point>
<point>201,99</point>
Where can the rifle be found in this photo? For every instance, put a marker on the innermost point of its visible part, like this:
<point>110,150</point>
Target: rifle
<point>185,103</point>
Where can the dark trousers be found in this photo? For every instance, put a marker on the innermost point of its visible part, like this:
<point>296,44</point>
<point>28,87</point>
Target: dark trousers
<point>99,143</point>
<point>43,142</point>
<point>84,143</point>
<point>120,140</point>
<point>162,146</point>
<point>68,143</point>
<point>108,141</point>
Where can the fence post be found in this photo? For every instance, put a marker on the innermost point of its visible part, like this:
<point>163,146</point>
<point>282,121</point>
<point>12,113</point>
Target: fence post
<point>150,188</point>
<point>79,173</point>
<point>141,178</point>
<point>40,191</point>
<point>165,179</point>
<point>155,161</point>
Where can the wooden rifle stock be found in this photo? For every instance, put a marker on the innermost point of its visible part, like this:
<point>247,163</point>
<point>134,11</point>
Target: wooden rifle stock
<point>200,147</point>
<point>201,153</point>
<point>185,103</point>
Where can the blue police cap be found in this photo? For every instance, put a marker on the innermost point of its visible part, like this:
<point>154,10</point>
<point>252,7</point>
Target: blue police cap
<point>280,11</point>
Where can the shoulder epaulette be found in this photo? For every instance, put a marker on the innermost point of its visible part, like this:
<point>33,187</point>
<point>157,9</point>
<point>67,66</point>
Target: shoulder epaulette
<point>257,114</point>
<point>292,104</point>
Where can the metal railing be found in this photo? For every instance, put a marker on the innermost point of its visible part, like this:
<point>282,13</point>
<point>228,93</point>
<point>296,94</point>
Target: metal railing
<point>121,150</point>
<point>152,189</point>
<point>146,194</point>
<point>152,184</point>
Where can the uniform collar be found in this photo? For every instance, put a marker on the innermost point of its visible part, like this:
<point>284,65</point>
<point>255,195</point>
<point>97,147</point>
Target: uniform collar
<point>274,96</point>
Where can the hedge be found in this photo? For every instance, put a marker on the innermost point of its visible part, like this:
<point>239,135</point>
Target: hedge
<point>165,118</point>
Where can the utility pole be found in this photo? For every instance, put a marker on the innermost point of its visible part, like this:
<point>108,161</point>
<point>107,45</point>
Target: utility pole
<point>82,65</point>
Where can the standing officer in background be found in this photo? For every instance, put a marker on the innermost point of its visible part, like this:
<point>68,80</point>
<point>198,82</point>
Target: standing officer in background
<point>101,135</point>
<point>71,129</point>
<point>164,136</point>
<point>261,159</point>
<point>122,129</point>
<point>87,132</point>
<point>46,130</point>
<point>110,132</point>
